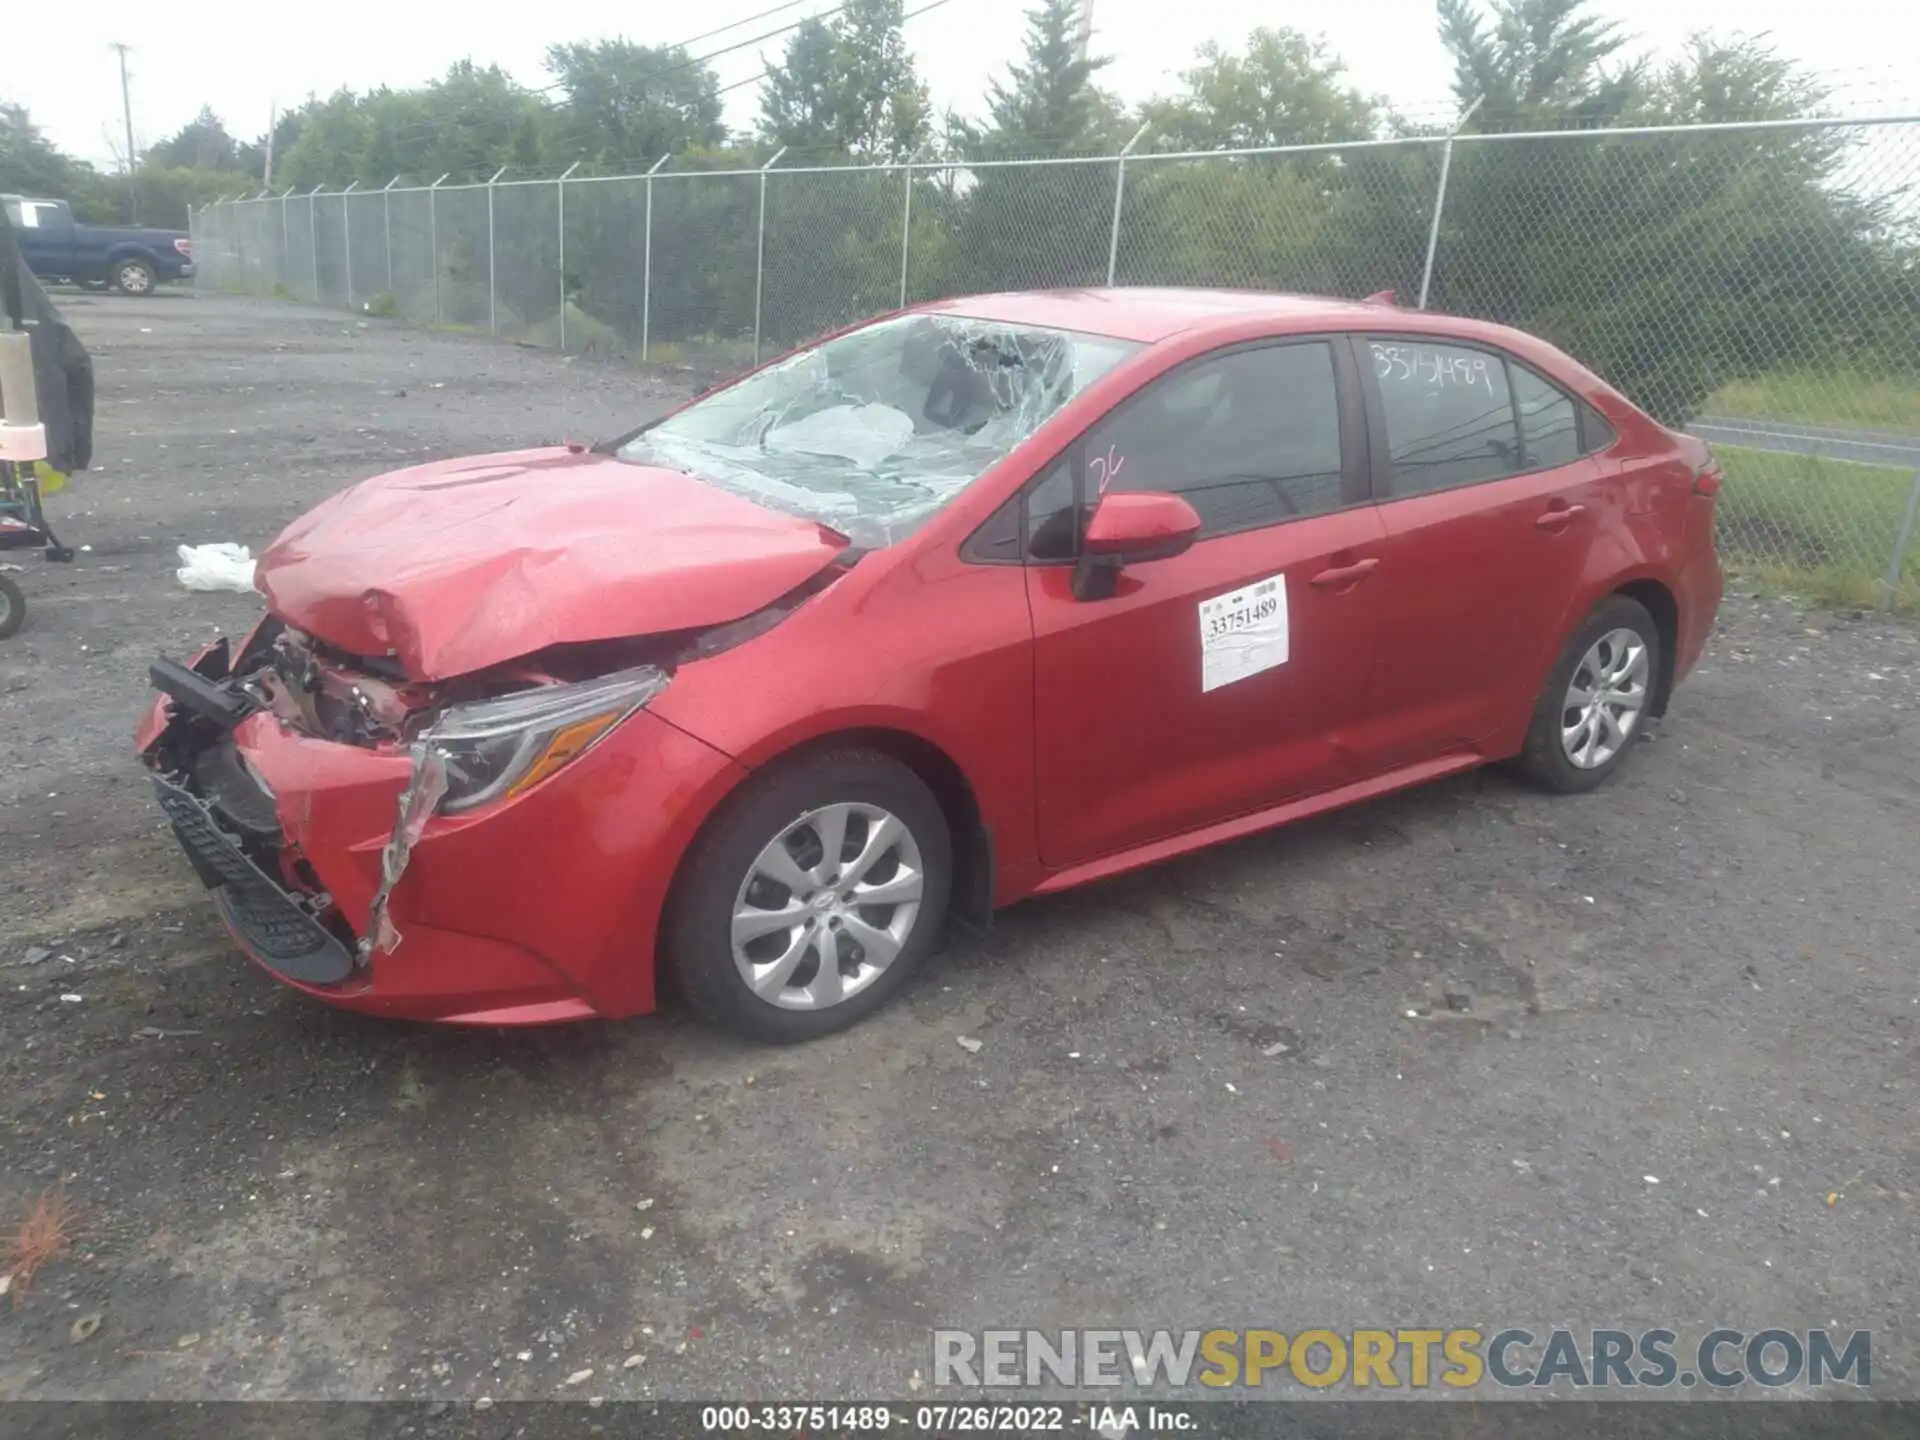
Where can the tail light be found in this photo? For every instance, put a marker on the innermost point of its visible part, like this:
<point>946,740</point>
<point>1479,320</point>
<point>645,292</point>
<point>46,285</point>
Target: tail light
<point>185,247</point>
<point>1706,477</point>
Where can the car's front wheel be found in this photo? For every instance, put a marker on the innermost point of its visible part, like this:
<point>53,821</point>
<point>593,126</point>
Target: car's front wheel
<point>811,895</point>
<point>1597,701</point>
<point>133,277</point>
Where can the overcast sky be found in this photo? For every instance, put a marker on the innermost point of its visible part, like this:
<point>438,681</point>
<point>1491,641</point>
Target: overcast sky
<point>242,59</point>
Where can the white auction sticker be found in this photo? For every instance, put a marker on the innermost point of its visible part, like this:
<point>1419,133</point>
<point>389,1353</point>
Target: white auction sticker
<point>1243,632</point>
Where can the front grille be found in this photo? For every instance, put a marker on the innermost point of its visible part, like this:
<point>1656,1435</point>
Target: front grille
<point>280,933</point>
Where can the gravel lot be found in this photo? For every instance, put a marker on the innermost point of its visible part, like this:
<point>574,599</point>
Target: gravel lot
<point>1704,974</point>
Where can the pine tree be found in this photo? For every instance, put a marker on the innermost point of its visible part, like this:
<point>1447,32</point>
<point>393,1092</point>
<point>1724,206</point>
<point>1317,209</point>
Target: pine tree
<point>1542,61</point>
<point>1048,105</point>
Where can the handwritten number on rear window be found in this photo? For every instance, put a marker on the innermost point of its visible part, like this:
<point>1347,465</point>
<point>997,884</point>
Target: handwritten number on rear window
<point>1432,367</point>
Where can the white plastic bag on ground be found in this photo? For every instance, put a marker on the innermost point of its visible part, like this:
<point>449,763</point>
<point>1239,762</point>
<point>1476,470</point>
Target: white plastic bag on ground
<point>224,566</point>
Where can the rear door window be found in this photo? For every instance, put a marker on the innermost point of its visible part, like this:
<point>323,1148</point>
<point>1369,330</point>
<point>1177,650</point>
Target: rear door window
<point>1453,414</point>
<point>1448,412</point>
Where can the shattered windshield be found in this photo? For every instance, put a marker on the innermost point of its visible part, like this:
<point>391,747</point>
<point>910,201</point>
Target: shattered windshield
<point>874,431</point>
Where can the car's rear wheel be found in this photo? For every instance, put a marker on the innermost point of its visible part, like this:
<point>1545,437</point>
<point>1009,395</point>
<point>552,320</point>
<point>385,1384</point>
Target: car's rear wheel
<point>133,277</point>
<point>1596,702</point>
<point>810,897</point>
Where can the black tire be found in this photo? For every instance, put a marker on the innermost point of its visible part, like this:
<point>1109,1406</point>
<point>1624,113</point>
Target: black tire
<point>698,935</point>
<point>134,277</point>
<point>1543,759</point>
<point>13,608</point>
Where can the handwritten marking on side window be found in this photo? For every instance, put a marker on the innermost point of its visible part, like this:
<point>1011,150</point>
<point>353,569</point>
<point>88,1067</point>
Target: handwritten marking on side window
<point>1432,366</point>
<point>1105,469</point>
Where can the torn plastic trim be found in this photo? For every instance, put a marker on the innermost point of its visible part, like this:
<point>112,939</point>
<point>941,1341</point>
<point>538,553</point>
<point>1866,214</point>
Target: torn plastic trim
<point>475,753</point>
<point>418,801</point>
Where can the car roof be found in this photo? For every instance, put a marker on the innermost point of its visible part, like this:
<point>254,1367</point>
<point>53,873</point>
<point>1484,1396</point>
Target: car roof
<point>1149,314</point>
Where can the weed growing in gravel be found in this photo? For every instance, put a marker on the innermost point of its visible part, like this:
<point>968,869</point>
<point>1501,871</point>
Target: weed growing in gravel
<point>43,1231</point>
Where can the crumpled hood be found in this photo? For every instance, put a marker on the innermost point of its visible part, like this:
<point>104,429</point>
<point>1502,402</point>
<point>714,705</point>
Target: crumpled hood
<point>459,565</point>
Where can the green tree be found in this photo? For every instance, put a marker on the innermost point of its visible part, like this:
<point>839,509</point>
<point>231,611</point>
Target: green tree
<point>1670,264</point>
<point>847,86</point>
<point>1284,89</point>
<point>167,192</point>
<point>1342,223</point>
<point>477,119</point>
<point>468,123</point>
<point>1712,81</point>
<point>1048,104</point>
<point>1345,224</point>
<point>1004,226</point>
<point>31,164</point>
<point>626,105</point>
<point>800,98</point>
<point>1540,63</point>
<point>201,144</point>
<point>252,156</point>
<point>332,134</point>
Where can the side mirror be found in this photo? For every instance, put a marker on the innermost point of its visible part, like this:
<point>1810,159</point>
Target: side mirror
<point>1131,528</point>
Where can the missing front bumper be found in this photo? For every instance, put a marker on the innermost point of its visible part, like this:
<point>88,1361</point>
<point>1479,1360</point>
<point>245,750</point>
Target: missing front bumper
<point>276,928</point>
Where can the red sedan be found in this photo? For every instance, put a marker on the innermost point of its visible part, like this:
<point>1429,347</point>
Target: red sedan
<point>979,601</point>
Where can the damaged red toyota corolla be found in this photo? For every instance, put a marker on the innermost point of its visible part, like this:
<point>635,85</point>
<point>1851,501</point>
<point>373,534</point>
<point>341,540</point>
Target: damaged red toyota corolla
<point>971,603</point>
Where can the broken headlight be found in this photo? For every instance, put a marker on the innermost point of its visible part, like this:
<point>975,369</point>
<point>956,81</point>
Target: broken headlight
<point>494,749</point>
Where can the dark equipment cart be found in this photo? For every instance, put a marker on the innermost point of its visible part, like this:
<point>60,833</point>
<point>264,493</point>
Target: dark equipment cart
<point>46,413</point>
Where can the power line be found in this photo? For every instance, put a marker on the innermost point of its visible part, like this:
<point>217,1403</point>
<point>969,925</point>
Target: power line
<point>693,60</point>
<point>761,75</point>
<point>756,79</point>
<point>404,132</point>
<point>761,15</point>
<point>423,126</point>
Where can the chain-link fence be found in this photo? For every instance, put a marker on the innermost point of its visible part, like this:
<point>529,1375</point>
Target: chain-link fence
<point>1756,282</point>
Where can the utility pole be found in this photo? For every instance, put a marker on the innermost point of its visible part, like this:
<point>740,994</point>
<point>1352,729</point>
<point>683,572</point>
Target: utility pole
<point>1085,39</point>
<point>126,110</point>
<point>273,124</point>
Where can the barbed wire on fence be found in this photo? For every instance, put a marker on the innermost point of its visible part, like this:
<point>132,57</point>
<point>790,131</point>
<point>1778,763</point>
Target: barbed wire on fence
<point>1756,280</point>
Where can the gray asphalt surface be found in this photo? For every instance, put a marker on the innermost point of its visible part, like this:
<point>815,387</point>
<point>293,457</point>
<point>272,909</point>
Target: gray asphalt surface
<point>1867,447</point>
<point>1681,1092</point>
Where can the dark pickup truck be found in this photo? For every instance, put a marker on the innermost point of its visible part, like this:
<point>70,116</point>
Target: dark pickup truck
<point>131,260</point>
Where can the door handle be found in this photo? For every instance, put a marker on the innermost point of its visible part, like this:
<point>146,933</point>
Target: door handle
<point>1345,574</point>
<point>1560,517</point>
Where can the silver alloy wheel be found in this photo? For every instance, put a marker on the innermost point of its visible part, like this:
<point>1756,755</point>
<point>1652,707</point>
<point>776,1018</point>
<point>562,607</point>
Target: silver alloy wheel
<point>135,280</point>
<point>1605,699</point>
<point>827,906</point>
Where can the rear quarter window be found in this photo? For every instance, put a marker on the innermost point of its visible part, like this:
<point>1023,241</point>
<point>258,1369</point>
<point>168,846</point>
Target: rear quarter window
<point>1549,419</point>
